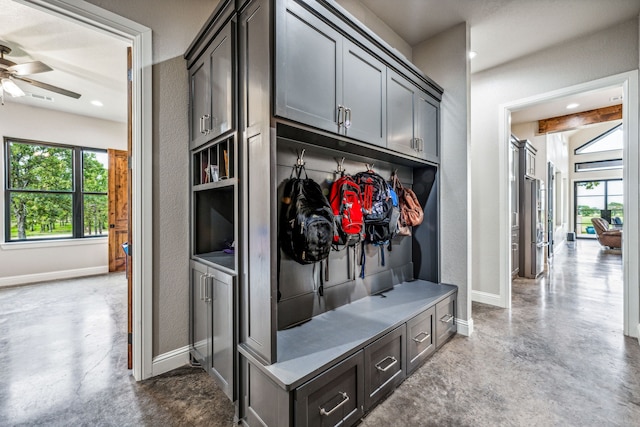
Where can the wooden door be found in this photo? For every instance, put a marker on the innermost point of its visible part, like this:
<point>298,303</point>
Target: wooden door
<point>118,208</point>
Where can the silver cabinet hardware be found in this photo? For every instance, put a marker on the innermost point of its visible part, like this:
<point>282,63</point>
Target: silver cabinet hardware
<point>202,124</point>
<point>201,288</point>
<point>207,129</point>
<point>347,118</point>
<point>425,337</point>
<point>207,298</point>
<point>393,360</point>
<point>341,116</point>
<point>446,318</point>
<point>345,399</point>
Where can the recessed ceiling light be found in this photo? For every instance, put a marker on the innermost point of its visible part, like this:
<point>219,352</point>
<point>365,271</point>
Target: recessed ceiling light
<point>472,54</point>
<point>572,106</point>
<point>97,103</point>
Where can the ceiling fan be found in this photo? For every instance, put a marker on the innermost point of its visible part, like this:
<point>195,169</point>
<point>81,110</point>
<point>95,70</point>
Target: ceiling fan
<point>10,71</point>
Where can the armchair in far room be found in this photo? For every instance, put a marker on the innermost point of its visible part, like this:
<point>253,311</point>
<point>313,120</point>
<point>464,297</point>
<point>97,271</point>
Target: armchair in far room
<point>606,236</point>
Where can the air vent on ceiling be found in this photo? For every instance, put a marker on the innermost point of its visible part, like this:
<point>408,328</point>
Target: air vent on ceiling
<point>40,97</point>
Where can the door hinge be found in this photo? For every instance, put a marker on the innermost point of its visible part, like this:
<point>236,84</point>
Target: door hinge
<point>129,162</point>
<point>130,74</point>
<point>130,338</point>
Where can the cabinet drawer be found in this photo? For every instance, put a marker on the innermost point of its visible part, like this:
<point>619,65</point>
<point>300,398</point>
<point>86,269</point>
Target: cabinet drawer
<point>445,319</point>
<point>421,341</point>
<point>333,398</point>
<point>384,366</point>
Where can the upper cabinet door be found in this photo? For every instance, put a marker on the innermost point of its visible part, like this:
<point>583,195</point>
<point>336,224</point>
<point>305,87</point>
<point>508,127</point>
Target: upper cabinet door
<point>426,129</point>
<point>200,100</point>
<point>308,57</point>
<point>401,96</point>
<point>222,83</point>
<point>364,96</point>
<point>212,83</point>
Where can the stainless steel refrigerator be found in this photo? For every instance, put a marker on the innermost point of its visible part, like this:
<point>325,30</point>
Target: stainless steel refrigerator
<point>532,229</point>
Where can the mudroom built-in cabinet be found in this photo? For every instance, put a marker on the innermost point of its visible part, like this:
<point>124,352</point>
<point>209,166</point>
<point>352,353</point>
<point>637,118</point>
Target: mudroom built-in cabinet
<point>280,84</point>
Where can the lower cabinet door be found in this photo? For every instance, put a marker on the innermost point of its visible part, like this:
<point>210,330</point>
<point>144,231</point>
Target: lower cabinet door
<point>421,340</point>
<point>445,319</point>
<point>384,362</point>
<point>334,397</point>
<point>200,316</point>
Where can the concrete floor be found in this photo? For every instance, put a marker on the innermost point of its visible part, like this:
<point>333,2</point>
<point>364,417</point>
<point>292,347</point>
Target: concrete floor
<point>558,358</point>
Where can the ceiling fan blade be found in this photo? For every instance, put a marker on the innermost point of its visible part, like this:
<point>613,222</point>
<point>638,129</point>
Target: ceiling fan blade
<point>6,63</point>
<point>49,87</point>
<point>29,68</point>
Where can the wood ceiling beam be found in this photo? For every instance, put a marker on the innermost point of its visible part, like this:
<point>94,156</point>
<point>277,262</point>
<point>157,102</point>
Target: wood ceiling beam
<point>573,121</point>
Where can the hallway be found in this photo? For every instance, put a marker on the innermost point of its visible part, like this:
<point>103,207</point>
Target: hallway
<point>557,358</point>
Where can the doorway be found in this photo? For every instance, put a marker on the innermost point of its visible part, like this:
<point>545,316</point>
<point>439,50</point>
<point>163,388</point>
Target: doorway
<point>139,38</point>
<point>628,82</point>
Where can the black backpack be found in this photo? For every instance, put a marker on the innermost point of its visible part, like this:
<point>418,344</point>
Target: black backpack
<point>306,220</point>
<point>377,207</point>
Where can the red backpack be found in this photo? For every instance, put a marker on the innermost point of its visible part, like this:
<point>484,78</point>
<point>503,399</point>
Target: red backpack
<point>346,204</point>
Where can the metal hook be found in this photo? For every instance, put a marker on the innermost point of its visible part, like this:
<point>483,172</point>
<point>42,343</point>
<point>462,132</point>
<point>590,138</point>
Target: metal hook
<point>300,160</point>
<point>369,166</point>
<point>340,168</point>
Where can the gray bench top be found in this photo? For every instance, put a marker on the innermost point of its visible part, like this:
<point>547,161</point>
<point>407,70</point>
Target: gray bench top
<point>308,349</point>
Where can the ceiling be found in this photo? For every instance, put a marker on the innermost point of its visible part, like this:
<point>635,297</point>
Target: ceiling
<point>94,64</point>
<point>83,61</point>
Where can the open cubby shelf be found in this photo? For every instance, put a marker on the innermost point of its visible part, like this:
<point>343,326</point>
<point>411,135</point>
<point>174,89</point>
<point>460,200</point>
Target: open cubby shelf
<point>214,163</point>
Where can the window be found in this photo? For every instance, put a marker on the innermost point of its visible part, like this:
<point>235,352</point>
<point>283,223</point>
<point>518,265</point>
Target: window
<point>54,191</point>
<point>599,165</point>
<point>598,199</point>
<point>610,140</point>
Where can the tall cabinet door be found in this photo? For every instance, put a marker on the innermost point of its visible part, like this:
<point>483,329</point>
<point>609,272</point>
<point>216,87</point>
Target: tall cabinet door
<point>200,99</point>
<point>400,103</point>
<point>223,342</point>
<point>222,82</point>
<point>309,57</point>
<point>200,342</point>
<point>426,129</point>
<point>364,95</point>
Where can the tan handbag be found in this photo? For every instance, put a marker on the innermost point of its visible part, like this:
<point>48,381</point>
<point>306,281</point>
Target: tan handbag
<point>411,213</point>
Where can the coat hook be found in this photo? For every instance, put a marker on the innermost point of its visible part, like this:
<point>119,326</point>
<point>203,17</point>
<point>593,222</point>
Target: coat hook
<point>300,160</point>
<point>340,169</point>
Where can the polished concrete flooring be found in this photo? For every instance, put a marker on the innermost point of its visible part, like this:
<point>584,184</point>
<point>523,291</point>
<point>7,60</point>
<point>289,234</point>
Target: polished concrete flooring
<point>557,358</point>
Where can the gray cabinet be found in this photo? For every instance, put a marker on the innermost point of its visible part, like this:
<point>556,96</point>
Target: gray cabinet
<point>211,81</point>
<point>421,340</point>
<point>384,362</point>
<point>212,341</point>
<point>412,119</point>
<point>308,63</point>
<point>326,81</point>
<point>445,320</point>
<point>334,398</point>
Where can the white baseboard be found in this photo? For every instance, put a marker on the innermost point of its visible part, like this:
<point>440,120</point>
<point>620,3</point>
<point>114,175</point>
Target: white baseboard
<point>486,298</point>
<point>170,360</point>
<point>465,327</point>
<point>52,275</point>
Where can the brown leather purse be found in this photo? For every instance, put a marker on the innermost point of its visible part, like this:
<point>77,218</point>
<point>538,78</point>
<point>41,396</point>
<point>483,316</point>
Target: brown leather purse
<point>411,213</point>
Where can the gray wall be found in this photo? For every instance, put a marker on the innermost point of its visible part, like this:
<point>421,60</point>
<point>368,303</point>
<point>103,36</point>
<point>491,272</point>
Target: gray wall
<point>444,59</point>
<point>174,25</point>
<point>602,54</point>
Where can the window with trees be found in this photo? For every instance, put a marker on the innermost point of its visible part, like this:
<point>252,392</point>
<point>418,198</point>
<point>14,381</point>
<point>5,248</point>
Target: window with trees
<point>54,191</point>
<point>601,199</point>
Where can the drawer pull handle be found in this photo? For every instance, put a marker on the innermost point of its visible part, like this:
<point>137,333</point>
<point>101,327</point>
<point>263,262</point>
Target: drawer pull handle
<point>446,318</point>
<point>345,399</point>
<point>423,339</point>
<point>386,368</point>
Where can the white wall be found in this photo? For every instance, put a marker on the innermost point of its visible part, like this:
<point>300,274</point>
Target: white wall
<point>444,59</point>
<point>375,24</point>
<point>604,53</point>
<point>36,261</point>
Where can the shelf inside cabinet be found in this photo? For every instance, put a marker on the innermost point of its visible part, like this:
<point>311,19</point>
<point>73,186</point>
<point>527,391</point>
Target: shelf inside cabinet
<point>214,224</point>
